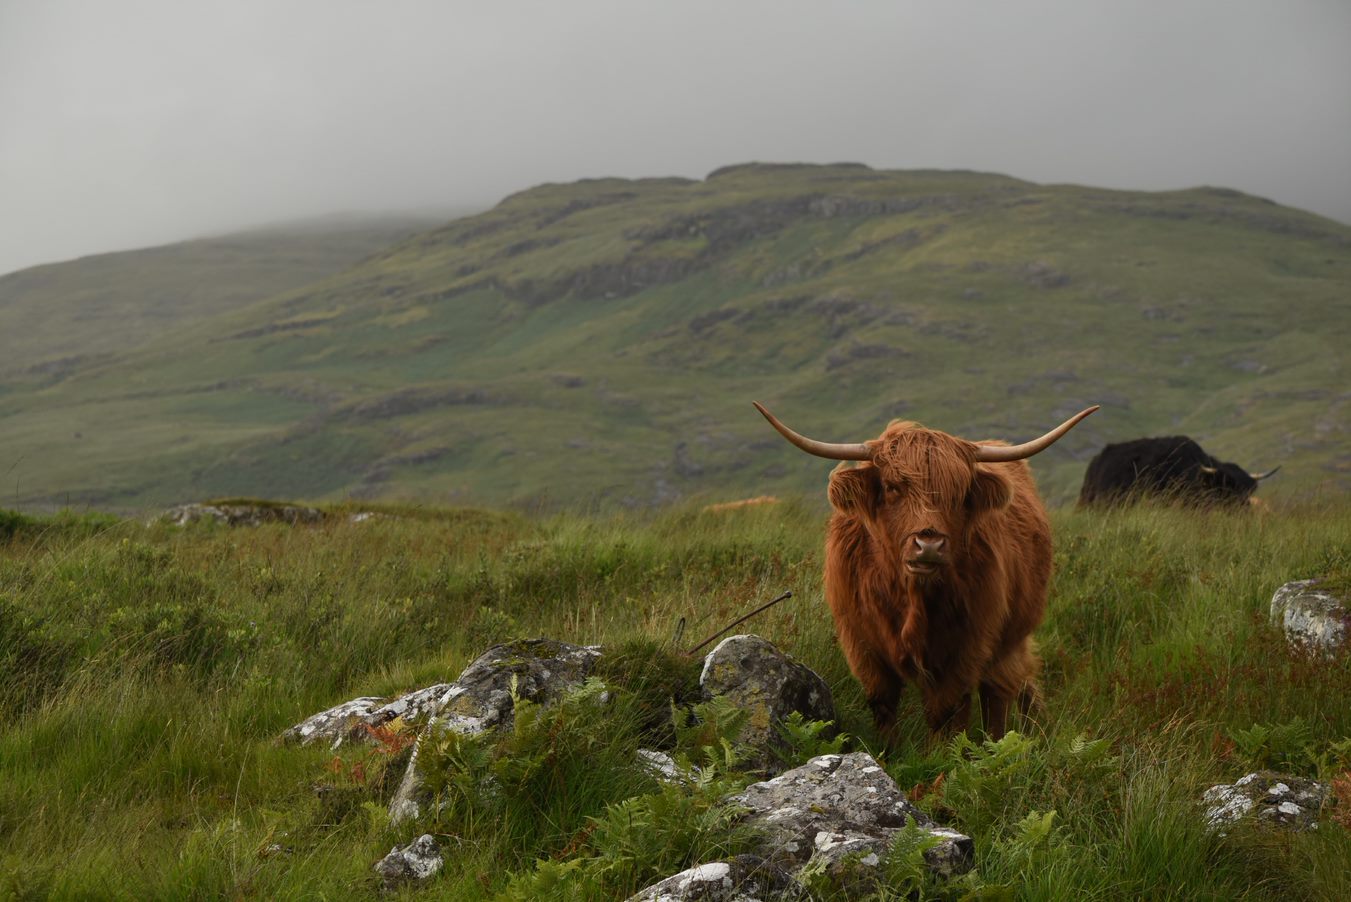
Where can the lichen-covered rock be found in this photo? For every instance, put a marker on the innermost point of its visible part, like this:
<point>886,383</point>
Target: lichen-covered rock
<point>540,670</point>
<point>767,684</point>
<point>347,722</point>
<point>418,860</point>
<point>840,811</point>
<point>1315,618</point>
<point>746,878</point>
<point>243,514</point>
<point>338,725</point>
<point>420,704</point>
<point>1270,798</point>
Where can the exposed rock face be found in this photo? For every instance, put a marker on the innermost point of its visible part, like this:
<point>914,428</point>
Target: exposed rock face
<point>769,685</point>
<point>1314,619</point>
<point>347,722</point>
<point>842,811</point>
<point>418,860</point>
<point>1271,798</point>
<point>745,878</point>
<point>243,514</point>
<point>337,725</point>
<point>481,699</point>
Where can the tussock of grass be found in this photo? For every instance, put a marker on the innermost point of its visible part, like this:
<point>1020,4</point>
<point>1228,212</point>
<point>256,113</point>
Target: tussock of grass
<point>145,671</point>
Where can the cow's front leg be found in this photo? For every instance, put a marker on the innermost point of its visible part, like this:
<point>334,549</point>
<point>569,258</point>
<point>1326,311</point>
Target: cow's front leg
<point>946,715</point>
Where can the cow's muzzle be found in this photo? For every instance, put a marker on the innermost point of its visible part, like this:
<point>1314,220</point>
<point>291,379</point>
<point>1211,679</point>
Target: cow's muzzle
<point>926,553</point>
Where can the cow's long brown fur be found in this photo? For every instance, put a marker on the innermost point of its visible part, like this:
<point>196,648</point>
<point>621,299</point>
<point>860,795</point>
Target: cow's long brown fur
<point>968,626</point>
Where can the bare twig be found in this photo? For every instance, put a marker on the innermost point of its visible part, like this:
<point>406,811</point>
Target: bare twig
<point>764,607</point>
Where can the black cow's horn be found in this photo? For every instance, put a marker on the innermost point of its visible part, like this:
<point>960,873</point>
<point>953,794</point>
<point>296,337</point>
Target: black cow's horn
<point>1209,470</point>
<point>858,451</point>
<point>1000,453</point>
<point>1260,476</point>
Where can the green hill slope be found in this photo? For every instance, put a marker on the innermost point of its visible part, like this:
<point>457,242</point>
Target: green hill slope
<point>600,343</point>
<point>61,316</point>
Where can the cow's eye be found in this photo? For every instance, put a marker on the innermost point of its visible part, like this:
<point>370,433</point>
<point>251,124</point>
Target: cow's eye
<point>894,488</point>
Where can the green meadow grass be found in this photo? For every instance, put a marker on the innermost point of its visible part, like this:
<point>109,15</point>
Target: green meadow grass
<point>146,671</point>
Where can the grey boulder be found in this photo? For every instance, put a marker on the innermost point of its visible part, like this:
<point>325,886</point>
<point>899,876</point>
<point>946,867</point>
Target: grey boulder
<point>840,812</point>
<point>1314,616</point>
<point>769,686</point>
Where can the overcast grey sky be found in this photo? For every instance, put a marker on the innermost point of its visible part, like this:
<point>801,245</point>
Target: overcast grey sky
<point>139,122</point>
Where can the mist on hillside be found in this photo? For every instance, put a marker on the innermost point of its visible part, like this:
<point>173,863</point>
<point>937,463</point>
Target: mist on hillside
<point>135,124</point>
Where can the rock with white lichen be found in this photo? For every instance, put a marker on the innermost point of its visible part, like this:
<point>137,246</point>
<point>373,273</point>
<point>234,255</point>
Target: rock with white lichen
<point>357,720</point>
<point>746,878</point>
<point>1316,617</point>
<point>836,817</point>
<point>336,726</point>
<point>1266,797</point>
<point>483,698</point>
<point>840,814</point>
<point>415,862</point>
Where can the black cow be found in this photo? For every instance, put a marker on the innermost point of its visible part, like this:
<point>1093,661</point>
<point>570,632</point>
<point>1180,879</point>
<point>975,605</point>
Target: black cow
<point>1173,468</point>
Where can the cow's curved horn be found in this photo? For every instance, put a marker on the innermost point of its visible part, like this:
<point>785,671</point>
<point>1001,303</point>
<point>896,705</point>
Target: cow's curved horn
<point>1001,453</point>
<point>1210,471</point>
<point>857,451</point>
<point>1260,476</point>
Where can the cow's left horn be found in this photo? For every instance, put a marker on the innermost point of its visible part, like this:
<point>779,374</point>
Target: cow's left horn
<point>1260,476</point>
<point>999,453</point>
<point>857,451</point>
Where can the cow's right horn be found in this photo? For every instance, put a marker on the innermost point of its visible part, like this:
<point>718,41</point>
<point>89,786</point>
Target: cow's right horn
<point>1260,476</point>
<point>857,451</point>
<point>1001,453</point>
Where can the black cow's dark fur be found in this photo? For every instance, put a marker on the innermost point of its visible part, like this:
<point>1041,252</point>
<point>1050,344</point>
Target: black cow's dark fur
<point>1169,468</point>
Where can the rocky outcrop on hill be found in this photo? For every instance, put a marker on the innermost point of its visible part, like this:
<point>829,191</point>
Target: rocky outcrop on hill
<point>242,513</point>
<point>1315,618</point>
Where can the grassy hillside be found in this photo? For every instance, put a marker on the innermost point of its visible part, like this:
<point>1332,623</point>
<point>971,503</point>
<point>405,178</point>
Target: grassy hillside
<point>56,319</point>
<point>145,672</point>
<point>600,343</point>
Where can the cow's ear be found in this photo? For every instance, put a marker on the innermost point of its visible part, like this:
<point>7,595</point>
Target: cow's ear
<point>990,491</point>
<point>854,490</point>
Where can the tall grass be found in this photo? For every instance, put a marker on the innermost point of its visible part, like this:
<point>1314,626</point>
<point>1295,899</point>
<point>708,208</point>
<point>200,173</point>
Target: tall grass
<point>145,672</point>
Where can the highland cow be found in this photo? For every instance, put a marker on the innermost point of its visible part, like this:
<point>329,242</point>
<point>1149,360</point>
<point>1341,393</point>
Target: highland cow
<point>938,556</point>
<point>1173,469</point>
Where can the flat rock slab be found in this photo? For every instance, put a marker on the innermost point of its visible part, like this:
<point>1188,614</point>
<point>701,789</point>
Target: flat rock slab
<point>336,726</point>
<point>1277,800</point>
<point>745,878</point>
<point>348,722</point>
<point>1315,618</point>
<point>842,810</point>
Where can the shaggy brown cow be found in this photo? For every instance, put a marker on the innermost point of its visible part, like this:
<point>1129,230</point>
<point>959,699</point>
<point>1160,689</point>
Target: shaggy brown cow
<point>938,556</point>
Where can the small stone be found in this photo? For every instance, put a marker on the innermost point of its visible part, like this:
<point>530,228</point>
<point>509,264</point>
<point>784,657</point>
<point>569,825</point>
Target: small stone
<point>416,861</point>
